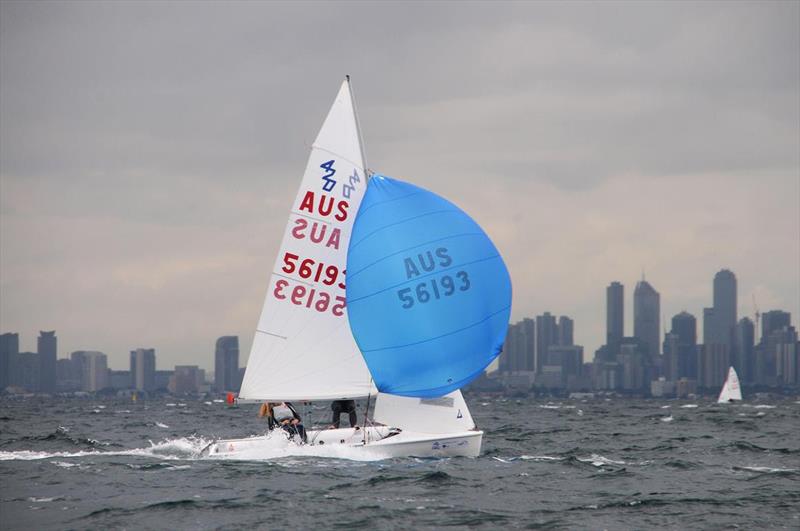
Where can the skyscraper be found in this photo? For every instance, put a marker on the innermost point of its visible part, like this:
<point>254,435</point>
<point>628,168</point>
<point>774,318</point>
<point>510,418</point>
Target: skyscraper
<point>47,349</point>
<point>546,335</point>
<point>566,329</point>
<point>9,349</point>
<point>773,320</point>
<point>647,316</point>
<point>143,369</point>
<point>226,364</point>
<point>680,348</point>
<point>615,318</point>
<point>93,368</point>
<point>718,325</point>
<point>744,355</point>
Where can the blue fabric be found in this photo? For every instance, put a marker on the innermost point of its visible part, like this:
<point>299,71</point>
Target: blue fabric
<point>428,295</point>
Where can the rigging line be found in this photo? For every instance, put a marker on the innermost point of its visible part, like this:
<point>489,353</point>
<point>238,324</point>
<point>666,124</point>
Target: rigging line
<point>366,413</point>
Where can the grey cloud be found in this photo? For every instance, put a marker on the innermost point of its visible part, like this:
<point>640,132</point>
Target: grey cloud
<point>149,151</point>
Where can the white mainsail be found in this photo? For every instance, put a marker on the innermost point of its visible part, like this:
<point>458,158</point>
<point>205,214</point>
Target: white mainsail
<point>303,347</point>
<point>731,391</point>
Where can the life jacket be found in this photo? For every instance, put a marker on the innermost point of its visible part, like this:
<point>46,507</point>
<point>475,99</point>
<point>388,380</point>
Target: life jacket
<point>282,412</point>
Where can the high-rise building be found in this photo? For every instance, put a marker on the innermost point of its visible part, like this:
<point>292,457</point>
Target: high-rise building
<point>68,377</point>
<point>9,349</point>
<point>773,320</point>
<point>743,350</point>
<point>786,356</point>
<point>710,327</point>
<point>684,327</point>
<point>719,321</point>
<point>47,349</point>
<point>226,364</point>
<point>670,364</point>
<point>519,348</point>
<point>566,330</point>
<point>546,335</point>
<point>636,369</point>
<point>27,372</point>
<point>647,317</point>
<point>615,318</point>
<point>143,369</point>
<point>93,367</point>
<point>187,379</point>
<point>713,361</point>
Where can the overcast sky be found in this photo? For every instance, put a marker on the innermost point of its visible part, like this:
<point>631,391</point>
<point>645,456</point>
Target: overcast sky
<point>149,153</point>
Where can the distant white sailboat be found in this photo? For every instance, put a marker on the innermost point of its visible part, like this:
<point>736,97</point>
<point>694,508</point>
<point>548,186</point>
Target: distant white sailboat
<point>731,390</point>
<point>424,311</point>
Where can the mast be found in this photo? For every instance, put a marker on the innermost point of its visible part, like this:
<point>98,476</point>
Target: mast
<point>358,128</point>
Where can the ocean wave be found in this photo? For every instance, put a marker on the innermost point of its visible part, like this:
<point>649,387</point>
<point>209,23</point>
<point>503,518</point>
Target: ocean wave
<point>598,460</point>
<point>768,470</point>
<point>182,448</point>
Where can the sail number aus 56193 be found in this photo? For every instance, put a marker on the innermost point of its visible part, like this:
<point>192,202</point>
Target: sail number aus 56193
<point>423,292</point>
<point>309,268</point>
<point>315,298</point>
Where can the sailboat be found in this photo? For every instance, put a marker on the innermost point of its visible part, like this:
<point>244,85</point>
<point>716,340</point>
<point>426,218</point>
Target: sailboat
<point>731,391</point>
<point>381,290</point>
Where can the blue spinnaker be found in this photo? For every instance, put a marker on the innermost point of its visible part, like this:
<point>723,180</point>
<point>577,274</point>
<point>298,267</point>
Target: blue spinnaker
<point>428,295</point>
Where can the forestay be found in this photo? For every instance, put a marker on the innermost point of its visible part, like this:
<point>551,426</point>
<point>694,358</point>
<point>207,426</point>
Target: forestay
<point>428,294</point>
<point>303,347</point>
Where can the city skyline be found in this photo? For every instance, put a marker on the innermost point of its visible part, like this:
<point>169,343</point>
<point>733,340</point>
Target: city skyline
<point>143,205</point>
<point>559,329</point>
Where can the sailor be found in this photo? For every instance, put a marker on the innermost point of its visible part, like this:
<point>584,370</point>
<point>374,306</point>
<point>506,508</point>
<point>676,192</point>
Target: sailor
<point>283,415</point>
<point>343,406</point>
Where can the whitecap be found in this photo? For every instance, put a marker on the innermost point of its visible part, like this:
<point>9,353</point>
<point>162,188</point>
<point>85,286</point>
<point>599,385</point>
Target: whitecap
<point>764,406</point>
<point>689,406</point>
<point>667,419</point>
<point>161,425</point>
<point>64,464</point>
<point>769,470</point>
<point>208,403</point>
<point>599,460</point>
<point>666,407</point>
<point>580,412</point>
<point>171,404</point>
<point>540,458</point>
<point>43,500</point>
<point>549,406</point>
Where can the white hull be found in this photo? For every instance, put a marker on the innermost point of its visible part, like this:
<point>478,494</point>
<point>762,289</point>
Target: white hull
<point>349,443</point>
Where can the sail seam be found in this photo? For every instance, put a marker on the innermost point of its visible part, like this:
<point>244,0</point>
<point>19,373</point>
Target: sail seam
<point>351,275</point>
<point>439,336</point>
<point>361,212</point>
<point>270,333</point>
<point>416,279</point>
<point>338,155</point>
<point>359,242</point>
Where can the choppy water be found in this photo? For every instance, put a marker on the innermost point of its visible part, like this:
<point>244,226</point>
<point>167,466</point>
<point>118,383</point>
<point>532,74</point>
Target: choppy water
<point>617,464</point>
